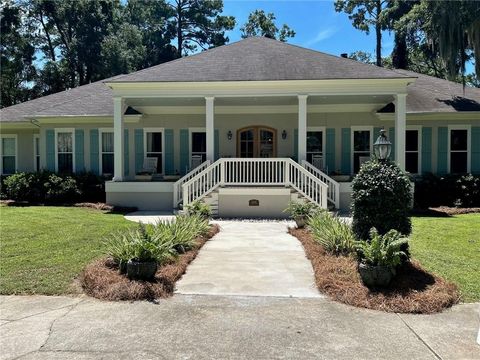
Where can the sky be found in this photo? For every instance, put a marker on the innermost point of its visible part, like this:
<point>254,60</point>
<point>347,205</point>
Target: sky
<point>316,23</point>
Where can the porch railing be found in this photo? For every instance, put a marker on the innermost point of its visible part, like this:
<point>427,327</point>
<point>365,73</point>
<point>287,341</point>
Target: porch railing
<point>255,172</point>
<point>333,192</point>
<point>177,187</point>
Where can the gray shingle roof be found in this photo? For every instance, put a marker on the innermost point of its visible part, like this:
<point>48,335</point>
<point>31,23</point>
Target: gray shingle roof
<point>250,59</point>
<point>259,59</point>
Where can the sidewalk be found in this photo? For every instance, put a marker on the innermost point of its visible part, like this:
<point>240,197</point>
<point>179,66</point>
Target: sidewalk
<point>218,327</point>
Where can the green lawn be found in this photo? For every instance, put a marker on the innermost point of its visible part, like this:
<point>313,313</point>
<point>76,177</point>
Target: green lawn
<point>450,247</point>
<point>42,249</point>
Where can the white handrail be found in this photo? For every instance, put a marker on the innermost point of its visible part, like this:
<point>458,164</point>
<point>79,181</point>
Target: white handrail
<point>255,172</point>
<point>177,187</point>
<point>333,192</point>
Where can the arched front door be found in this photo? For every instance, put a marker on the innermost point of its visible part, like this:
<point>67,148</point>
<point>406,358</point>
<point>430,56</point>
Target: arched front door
<point>257,142</point>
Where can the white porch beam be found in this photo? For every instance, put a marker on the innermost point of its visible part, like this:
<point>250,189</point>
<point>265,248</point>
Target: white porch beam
<point>118,110</point>
<point>400,127</point>
<point>210,128</point>
<point>302,127</point>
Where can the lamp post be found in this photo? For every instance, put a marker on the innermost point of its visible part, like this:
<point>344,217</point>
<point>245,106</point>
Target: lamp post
<point>382,147</point>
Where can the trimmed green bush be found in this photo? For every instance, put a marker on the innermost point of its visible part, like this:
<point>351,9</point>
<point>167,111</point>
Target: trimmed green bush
<point>381,198</point>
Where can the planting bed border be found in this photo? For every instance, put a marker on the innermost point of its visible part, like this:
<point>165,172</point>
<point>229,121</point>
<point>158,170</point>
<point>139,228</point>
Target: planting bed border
<point>102,280</point>
<point>413,290</point>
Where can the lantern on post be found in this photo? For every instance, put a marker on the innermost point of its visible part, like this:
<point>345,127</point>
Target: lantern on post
<point>382,147</point>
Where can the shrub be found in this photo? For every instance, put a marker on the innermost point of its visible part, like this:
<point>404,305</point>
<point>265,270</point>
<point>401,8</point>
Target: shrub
<point>450,190</point>
<point>382,250</point>
<point>381,198</point>
<point>298,209</point>
<point>60,189</point>
<point>199,208</point>
<point>334,234</point>
<point>20,186</point>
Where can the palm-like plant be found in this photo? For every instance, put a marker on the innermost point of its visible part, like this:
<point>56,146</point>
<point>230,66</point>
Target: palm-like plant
<point>382,250</point>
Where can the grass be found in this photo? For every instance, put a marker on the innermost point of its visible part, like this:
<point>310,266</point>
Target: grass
<point>43,249</point>
<point>450,247</point>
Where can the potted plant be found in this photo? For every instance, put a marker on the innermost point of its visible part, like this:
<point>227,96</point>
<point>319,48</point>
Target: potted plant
<point>300,211</point>
<point>120,250</point>
<point>379,257</point>
<point>199,208</point>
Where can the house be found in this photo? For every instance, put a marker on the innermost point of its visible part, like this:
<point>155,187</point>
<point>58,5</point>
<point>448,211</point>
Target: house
<point>247,127</point>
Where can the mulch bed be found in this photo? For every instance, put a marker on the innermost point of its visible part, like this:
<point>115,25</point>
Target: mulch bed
<point>102,280</point>
<point>413,290</point>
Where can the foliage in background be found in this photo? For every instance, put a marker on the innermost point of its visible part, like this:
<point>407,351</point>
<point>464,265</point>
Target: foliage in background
<point>382,250</point>
<point>48,187</point>
<point>298,209</point>
<point>261,24</point>
<point>449,190</point>
<point>381,198</point>
<point>334,234</point>
<point>199,208</point>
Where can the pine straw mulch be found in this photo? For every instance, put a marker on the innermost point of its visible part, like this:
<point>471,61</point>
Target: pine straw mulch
<point>413,290</point>
<point>102,280</point>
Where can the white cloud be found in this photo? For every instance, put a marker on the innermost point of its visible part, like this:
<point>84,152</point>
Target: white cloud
<point>322,35</point>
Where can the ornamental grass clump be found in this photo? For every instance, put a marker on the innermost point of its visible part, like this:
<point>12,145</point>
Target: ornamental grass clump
<point>333,233</point>
<point>381,198</point>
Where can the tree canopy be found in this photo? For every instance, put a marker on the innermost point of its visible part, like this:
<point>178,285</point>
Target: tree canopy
<point>261,24</point>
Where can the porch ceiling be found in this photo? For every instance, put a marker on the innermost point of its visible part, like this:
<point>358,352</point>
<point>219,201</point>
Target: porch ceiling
<point>283,103</point>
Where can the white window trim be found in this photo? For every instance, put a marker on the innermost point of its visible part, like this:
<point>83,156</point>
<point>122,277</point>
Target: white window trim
<point>35,155</point>
<point>469,144</point>
<point>190,131</point>
<point>155,129</point>
<point>100,153</point>
<point>352,131</point>
<point>418,128</point>
<point>324,137</point>
<point>8,136</point>
<point>65,130</point>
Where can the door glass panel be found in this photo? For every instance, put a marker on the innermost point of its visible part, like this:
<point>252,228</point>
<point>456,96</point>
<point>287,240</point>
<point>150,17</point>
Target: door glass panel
<point>247,143</point>
<point>266,144</point>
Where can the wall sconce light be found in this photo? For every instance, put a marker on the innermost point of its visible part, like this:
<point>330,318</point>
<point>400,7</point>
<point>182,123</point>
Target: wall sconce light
<point>284,134</point>
<point>229,135</point>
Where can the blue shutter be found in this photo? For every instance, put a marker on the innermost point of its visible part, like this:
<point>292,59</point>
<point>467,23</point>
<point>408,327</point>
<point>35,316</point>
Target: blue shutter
<point>330,150</point>
<point>391,137</point>
<point>442,150</point>
<point>346,151</point>
<point>169,153</point>
<point>184,151</point>
<point>94,151</point>
<point>216,145</point>
<point>50,142</point>
<point>295,144</point>
<point>138,150</point>
<point>79,151</point>
<point>426,150</point>
<point>126,156</point>
<point>475,145</point>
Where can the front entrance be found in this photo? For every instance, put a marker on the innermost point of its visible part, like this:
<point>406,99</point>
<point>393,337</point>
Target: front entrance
<point>257,142</point>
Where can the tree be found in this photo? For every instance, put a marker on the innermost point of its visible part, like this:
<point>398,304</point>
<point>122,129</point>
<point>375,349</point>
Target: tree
<point>365,14</point>
<point>261,24</point>
<point>17,55</point>
<point>198,23</point>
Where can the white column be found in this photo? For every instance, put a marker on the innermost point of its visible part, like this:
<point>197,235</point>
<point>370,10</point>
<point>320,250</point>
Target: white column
<point>118,108</point>
<point>302,127</point>
<point>210,128</point>
<point>400,126</point>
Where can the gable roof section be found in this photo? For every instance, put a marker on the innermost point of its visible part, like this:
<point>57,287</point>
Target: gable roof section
<point>259,59</point>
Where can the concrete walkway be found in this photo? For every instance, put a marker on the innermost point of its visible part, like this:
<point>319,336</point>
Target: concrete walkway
<point>254,258</point>
<point>217,327</point>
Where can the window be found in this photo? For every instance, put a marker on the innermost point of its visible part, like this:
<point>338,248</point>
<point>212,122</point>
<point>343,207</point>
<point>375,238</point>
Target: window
<point>362,146</point>
<point>64,150</point>
<point>154,146</point>
<point>8,153</point>
<point>36,152</point>
<point>459,150</point>
<point>412,151</point>
<point>315,143</point>
<point>106,152</point>
<point>198,146</point>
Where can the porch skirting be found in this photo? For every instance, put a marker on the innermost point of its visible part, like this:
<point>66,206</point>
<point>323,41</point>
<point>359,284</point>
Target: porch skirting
<point>142,195</point>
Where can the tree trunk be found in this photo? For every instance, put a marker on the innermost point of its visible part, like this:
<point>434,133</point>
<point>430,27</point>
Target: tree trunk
<point>378,33</point>
<point>179,29</point>
<point>400,52</point>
